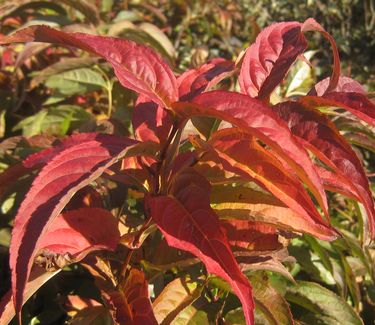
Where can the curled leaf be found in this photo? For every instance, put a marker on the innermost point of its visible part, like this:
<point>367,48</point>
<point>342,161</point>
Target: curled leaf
<point>267,61</point>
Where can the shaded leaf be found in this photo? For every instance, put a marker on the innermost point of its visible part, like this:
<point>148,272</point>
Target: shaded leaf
<point>201,312</point>
<point>91,315</point>
<point>38,278</point>
<point>272,305</point>
<point>76,81</point>
<point>65,64</point>
<point>10,176</point>
<point>311,25</point>
<point>54,120</point>
<point>160,37</point>
<point>147,34</point>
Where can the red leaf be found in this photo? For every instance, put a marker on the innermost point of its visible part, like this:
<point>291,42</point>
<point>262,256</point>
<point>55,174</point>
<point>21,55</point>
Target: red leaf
<point>150,121</point>
<point>344,85</point>
<point>356,103</point>
<point>77,233</point>
<point>241,154</point>
<point>267,61</point>
<point>320,135</point>
<point>189,223</point>
<point>311,25</point>
<point>251,235</point>
<point>70,170</point>
<point>254,117</point>
<point>196,81</point>
<point>131,304</point>
<point>136,66</point>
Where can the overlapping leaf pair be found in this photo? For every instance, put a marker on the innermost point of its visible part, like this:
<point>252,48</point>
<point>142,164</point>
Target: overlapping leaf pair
<point>266,144</point>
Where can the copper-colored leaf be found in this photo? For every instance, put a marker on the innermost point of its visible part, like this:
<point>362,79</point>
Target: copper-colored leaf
<point>131,303</point>
<point>276,48</point>
<point>176,295</point>
<point>241,154</point>
<point>254,117</point>
<point>239,202</point>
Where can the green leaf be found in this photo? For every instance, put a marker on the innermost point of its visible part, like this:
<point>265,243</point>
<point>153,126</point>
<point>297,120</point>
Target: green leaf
<point>55,120</point>
<point>320,251</point>
<point>32,125</point>
<point>76,81</point>
<point>322,305</point>
<point>300,78</point>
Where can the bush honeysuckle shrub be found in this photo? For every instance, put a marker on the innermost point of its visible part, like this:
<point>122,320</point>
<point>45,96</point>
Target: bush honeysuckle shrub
<point>224,177</point>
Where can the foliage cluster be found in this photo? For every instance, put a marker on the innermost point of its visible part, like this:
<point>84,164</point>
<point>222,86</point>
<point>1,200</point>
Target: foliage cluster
<point>192,194</point>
